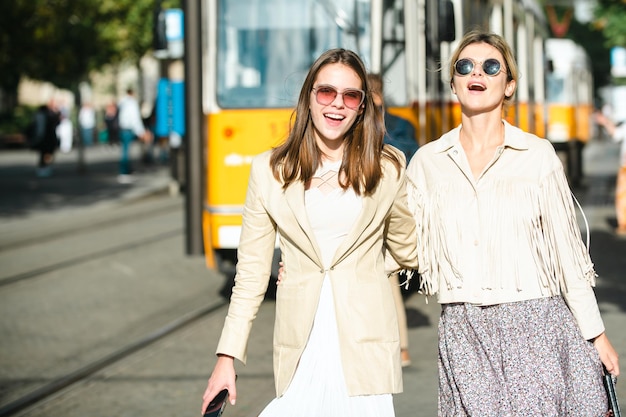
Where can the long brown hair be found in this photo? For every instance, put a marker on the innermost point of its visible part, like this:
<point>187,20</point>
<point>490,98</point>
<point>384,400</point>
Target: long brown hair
<point>298,157</point>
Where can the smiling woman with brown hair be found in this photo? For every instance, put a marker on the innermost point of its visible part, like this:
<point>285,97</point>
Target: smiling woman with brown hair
<point>333,193</point>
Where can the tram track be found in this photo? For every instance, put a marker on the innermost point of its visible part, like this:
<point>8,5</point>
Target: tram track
<point>102,287</point>
<point>65,381</point>
<point>88,257</point>
<point>53,244</point>
<point>118,219</point>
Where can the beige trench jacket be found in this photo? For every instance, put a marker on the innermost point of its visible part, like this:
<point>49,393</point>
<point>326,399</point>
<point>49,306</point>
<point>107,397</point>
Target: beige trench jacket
<point>366,318</point>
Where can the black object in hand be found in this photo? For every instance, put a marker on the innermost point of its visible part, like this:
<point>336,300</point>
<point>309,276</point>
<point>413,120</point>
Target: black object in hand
<point>609,385</point>
<point>217,405</point>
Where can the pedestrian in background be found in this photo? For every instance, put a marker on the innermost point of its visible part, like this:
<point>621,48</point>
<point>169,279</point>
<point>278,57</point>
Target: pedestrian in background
<point>65,132</point>
<point>46,119</point>
<point>400,133</point>
<point>87,123</point>
<point>131,128</point>
<point>500,247</point>
<point>112,124</point>
<point>332,193</point>
<point>617,132</point>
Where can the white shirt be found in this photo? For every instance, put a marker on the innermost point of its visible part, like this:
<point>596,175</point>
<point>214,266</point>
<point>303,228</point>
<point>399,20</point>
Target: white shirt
<point>130,116</point>
<point>510,235</point>
<point>87,117</point>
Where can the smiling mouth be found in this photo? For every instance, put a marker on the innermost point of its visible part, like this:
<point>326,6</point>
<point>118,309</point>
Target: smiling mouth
<point>477,87</point>
<point>335,117</point>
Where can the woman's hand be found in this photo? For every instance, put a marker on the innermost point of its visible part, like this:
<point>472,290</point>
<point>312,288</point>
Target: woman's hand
<point>223,376</point>
<point>608,355</point>
<point>281,273</point>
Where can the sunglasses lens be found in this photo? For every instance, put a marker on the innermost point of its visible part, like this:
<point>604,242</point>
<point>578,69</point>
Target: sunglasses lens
<point>352,98</point>
<point>325,95</point>
<point>491,66</point>
<point>463,66</point>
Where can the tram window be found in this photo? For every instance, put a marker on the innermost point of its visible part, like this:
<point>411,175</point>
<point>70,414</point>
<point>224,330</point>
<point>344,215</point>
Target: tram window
<point>555,88</point>
<point>266,48</point>
<point>447,32</point>
<point>393,63</point>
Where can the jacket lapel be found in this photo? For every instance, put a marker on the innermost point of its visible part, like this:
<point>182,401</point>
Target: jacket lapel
<point>295,200</point>
<point>368,211</point>
<point>294,194</point>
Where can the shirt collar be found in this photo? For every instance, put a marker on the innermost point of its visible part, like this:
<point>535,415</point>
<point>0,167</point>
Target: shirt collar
<point>514,137</point>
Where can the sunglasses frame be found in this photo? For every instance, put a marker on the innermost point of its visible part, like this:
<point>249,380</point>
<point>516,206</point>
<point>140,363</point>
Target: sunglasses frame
<point>482,66</point>
<point>315,91</point>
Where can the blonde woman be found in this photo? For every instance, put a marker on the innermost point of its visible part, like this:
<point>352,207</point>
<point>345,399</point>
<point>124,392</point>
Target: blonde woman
<point>520,333</point>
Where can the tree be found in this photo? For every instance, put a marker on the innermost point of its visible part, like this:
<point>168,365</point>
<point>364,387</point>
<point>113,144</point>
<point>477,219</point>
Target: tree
<point>592,41</point>
<point>610,18</point>
<point>62,41</point>
<point>605,30</point>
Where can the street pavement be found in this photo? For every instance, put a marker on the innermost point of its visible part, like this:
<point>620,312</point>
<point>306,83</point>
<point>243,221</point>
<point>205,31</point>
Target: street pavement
<point>168,377</point>
<point>79,180</point>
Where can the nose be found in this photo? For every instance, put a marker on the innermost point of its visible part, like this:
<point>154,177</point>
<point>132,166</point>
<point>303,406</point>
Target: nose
<point>339,103</point>
<point>478,69</point>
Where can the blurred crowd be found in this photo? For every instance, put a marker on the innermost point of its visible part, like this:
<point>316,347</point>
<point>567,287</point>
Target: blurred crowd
<point>118,125</point>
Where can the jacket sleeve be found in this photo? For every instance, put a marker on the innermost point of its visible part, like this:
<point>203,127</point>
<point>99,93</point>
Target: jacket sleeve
<point>571,263</point>
<point>254,260</point>
<point>401,237</point>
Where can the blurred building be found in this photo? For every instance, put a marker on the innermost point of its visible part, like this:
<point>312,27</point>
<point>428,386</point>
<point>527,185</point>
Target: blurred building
<point>104,86</point>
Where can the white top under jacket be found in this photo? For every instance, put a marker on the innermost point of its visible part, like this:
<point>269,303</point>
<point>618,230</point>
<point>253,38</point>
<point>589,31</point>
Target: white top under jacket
<point>510,235</point>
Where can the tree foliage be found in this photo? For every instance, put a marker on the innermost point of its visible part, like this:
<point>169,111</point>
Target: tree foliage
<point>610,18</point>
<point>607,29</point>
<point>62,41</point>
<point>593,42</point>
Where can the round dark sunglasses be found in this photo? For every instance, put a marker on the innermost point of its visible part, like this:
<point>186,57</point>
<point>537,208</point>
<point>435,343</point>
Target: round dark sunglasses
<point>326,94</point>
<point>465,66</point>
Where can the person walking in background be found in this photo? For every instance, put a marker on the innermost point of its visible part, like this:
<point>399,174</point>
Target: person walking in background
<point>400,133</point>
<point>46,119</point>
<point>65,132</point>
<point>131,127</point>
<point>87,123</point>
<point>500,247</point>
<point>617,132</point>
<point>333,193</point>
<point>112,124</point>
<point>149,124</point>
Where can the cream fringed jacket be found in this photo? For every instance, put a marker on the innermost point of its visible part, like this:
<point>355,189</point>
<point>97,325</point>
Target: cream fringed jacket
<point>509,235</point>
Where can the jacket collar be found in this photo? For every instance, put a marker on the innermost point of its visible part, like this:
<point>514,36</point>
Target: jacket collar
<point>294,194</point>
<point>514,138</point>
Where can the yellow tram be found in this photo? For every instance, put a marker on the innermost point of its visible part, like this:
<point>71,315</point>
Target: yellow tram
<point>256,54</point>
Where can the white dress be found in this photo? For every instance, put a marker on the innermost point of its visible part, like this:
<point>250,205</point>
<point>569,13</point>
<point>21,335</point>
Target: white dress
<point>318,387</point>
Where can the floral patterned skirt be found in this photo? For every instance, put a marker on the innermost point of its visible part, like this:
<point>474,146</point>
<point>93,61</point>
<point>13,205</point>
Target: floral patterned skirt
<point>517,359</point>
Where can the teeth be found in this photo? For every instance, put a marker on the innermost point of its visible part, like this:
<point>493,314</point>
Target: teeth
<point>477,87</point>
<point>335,116</point>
